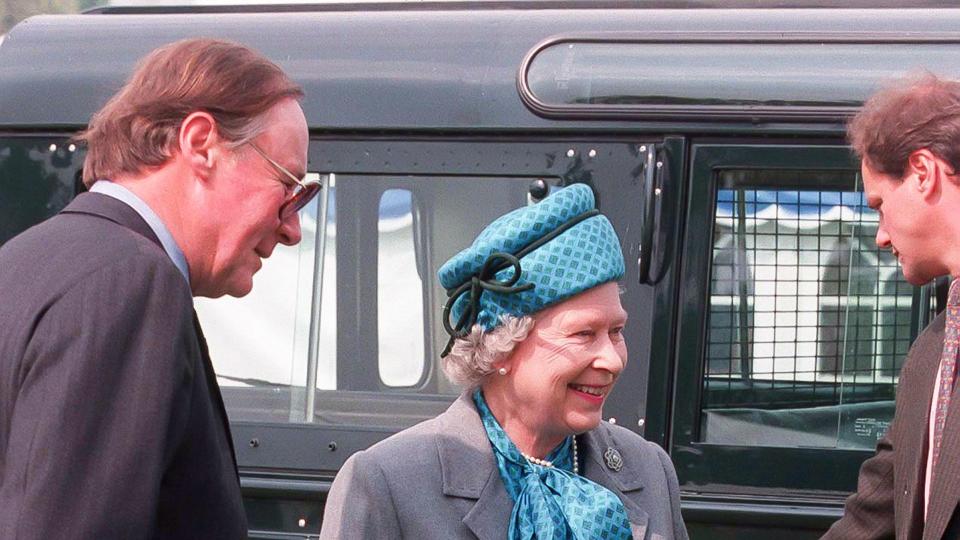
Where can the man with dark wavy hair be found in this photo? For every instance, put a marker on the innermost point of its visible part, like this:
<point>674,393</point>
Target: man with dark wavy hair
<point>111,420</point>
<point>908,137</point>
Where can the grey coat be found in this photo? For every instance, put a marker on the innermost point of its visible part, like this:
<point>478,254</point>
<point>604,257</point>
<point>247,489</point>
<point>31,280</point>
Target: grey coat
<point>439,479</point>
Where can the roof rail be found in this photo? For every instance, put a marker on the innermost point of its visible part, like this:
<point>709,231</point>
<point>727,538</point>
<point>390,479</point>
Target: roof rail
<point>461,5</point>
<point>386,5</point>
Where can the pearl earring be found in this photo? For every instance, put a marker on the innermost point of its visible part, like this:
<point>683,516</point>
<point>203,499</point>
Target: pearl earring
<point>502,371</point>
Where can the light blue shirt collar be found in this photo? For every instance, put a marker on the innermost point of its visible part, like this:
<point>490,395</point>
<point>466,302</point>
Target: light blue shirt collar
<point>111,189</point>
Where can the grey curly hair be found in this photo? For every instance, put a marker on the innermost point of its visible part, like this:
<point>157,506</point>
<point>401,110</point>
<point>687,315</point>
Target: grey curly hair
<point>472,357</point>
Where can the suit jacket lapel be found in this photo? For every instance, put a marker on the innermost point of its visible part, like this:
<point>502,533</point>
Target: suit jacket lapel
<point>468,469</point>
<point>595,444</point>
<point>945,490</point>
<point>911,446</point>
<point>214,389</point>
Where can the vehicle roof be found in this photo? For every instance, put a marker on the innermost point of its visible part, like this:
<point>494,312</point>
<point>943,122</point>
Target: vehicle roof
<point>394,67</point>
<point>213,6</point>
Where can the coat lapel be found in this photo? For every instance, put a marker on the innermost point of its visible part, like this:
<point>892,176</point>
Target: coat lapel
<point>596,444</point>
<point>490,516</point>
<point>911,447</point>
<point>211,379</point>
<point>468,469</point>
<point>945,490</point>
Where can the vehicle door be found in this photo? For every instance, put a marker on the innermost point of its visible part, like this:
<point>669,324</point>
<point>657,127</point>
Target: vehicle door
<point>337,347</point>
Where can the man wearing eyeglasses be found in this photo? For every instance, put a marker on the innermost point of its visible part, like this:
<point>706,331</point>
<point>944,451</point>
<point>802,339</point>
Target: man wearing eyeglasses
<point>111,420</point>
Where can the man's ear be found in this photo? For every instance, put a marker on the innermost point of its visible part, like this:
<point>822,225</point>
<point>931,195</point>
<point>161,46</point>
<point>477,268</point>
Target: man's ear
<point>198,141</point>
<point>925,172</point>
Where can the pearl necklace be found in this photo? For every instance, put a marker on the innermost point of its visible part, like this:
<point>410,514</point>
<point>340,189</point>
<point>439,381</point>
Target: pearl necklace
<point>545,463</point>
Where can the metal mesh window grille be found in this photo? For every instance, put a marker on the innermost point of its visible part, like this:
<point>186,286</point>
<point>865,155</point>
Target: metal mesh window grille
<point>805,311</point>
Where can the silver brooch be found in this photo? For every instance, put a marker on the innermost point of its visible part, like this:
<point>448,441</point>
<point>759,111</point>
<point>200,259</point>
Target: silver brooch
<point>613,459</point>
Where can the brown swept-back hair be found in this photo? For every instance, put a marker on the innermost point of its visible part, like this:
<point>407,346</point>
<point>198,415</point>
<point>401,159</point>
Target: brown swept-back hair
<point>913,114</point>
<point>138,128</point>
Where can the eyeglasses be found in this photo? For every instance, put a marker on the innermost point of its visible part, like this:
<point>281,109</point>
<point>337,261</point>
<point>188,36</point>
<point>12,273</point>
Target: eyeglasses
<point>303,193</point>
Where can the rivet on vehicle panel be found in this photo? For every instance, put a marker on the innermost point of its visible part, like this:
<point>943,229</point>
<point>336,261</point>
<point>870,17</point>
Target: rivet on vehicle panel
<point>571,152</point>
<point>302,523</point>
<point>332,446</point>
<point>538,189</point>
<point>641,422</point>
<point>53,148</point>
<point>612,420</point>
<point>254,442</point>
<point>592,153</point>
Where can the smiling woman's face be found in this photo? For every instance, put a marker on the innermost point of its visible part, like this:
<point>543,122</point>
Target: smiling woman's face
<point>559,377</point>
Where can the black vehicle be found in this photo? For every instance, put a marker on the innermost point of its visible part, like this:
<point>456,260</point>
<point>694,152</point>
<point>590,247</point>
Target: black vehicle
<point>766,329</point>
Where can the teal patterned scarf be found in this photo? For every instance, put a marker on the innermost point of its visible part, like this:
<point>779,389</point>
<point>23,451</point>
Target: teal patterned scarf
<point>552,503</point>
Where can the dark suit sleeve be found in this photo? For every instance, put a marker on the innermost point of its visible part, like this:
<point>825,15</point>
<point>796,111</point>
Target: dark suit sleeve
<point>102,404</point>
<point>868,513</point>
<point>360,505</point>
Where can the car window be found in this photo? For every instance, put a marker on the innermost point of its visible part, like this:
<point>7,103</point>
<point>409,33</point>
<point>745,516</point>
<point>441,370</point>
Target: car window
<point>795,324</point>
<point>344,329</point>
<point>808,320</point>
<point>38,177</point>
<point>400,337</point>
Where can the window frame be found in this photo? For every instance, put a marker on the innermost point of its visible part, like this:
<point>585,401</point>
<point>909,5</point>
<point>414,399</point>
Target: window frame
<point>712,468</point>
<point>305,451</point>
<point>699,109</point>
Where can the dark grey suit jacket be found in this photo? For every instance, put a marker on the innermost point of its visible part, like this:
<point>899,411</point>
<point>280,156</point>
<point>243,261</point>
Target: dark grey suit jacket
<point>111,422</point>
<point>439,480</point>
<point>889,498</point>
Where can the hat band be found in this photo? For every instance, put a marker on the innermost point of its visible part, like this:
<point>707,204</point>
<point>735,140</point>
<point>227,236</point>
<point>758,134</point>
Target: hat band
<point>485,280</point>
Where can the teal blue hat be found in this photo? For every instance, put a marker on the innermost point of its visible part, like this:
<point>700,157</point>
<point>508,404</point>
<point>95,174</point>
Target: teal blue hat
<point>528,259</point>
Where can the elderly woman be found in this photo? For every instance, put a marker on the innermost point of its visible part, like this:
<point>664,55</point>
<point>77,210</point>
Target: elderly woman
<point>537,340</point>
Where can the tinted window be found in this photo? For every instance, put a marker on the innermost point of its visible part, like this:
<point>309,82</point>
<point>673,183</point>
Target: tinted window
<point>367,347</point>
<point>808,319</point>
<point>774,75</point>
<point>793,327</point>
<point>38,177</point>
<point>399,292</point>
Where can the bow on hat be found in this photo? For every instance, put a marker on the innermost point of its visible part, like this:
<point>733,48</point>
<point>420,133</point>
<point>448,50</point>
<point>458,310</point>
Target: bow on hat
<point>528,259</point>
